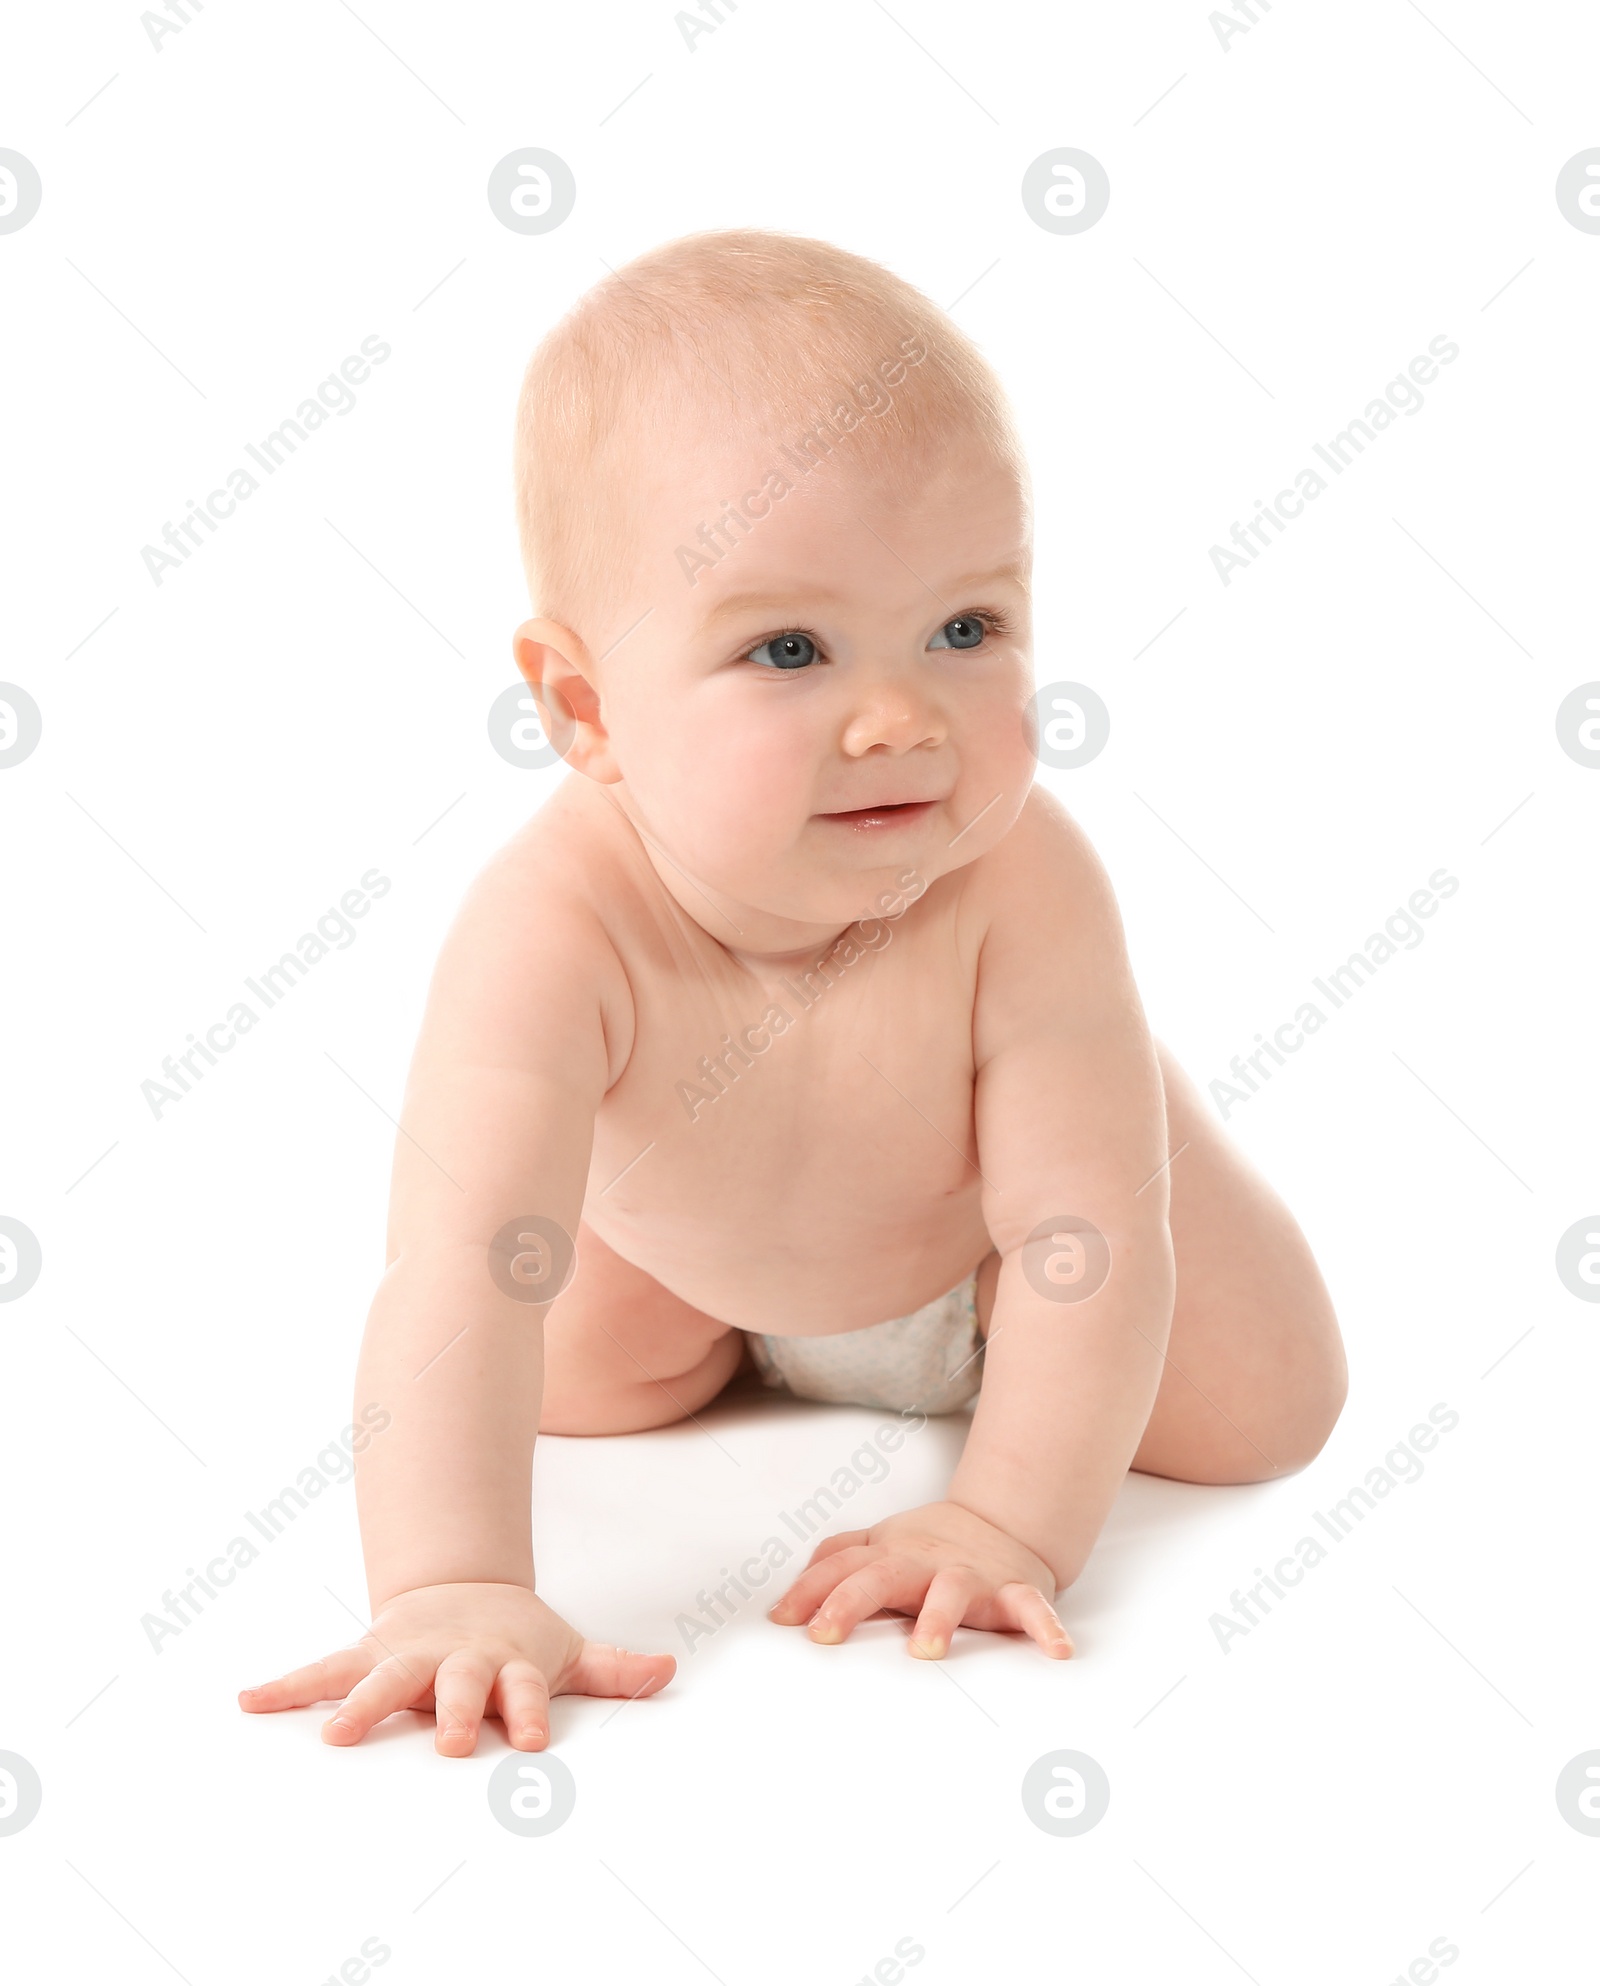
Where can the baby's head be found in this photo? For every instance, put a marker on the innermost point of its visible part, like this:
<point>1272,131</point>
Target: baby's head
<point>777,530</point>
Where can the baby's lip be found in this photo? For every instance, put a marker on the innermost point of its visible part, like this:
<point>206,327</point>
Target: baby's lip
<point>882,810</point>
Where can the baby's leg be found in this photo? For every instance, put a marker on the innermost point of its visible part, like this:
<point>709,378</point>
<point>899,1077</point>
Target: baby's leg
<point>1255,1372</point>
<point>621,1353</point>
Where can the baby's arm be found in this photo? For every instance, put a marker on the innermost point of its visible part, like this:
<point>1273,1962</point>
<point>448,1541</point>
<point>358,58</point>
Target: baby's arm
<point>524,1016</point>
<point>1070,1122</point>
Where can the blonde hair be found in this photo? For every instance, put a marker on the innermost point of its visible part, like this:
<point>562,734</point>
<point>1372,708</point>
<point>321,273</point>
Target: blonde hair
<point>736,329</point>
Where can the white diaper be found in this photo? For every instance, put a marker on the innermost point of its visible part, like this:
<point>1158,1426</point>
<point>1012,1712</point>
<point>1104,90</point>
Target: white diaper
<point>929,1360</point>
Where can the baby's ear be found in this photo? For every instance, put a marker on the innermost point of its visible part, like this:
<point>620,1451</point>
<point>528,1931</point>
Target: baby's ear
<point>558,669</point>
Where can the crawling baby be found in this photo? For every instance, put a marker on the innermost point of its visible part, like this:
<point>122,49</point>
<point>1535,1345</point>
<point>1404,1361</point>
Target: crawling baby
<point>796,1034</point>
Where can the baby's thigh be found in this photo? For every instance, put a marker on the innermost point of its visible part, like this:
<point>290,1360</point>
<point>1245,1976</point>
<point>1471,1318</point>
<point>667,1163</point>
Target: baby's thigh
<point>622,1353</point>
<point>1255,1373</point>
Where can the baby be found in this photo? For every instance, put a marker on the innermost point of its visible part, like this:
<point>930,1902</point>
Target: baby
<point>797,1032</point>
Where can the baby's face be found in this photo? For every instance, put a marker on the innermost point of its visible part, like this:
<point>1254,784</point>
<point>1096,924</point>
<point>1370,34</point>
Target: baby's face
<point>839,698</point>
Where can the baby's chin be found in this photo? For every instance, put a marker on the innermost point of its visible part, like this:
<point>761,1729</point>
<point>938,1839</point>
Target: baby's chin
<point>828,897</point>
<point>821,871</point>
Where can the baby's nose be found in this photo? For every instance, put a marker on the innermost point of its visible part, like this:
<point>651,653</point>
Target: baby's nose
<point>894,717</point>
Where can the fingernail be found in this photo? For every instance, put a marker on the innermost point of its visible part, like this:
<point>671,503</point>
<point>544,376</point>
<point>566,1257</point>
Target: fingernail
<point>930,1651</point>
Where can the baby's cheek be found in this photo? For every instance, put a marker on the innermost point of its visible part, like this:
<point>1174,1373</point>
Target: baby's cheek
<point>995,749</point>
<point>757,802</point>
<point>765,776</point>
<point>732,801</point>
<point>1014,740</point>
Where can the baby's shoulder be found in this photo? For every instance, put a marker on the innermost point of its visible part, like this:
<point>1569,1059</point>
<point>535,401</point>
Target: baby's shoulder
<point>1045,867</point>
<point>535,922</point>
<point>576,859</point>
<point>1052,941</point>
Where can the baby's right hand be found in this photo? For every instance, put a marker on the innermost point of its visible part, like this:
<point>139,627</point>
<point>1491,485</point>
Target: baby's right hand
<point>463,1651</point>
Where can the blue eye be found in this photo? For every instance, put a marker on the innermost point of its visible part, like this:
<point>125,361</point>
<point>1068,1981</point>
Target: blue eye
<point>787,651</point>
<point>965,631</point>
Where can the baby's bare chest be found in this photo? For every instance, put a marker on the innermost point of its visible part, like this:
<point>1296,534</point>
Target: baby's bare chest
<point>817,1108</point>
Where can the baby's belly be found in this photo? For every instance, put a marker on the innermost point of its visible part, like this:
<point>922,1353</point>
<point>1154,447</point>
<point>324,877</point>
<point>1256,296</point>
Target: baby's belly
<point>829,1277</point>
<point>796,1213</point>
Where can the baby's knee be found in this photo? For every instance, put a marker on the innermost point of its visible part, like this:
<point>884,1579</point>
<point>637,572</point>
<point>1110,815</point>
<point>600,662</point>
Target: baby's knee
<point>1310,1412</point>
<point>580,1399</point>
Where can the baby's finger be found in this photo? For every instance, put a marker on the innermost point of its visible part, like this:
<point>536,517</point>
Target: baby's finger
<point>950,1594</point>
<point>816,1583</point>
<point>460,1691</point>
<point>839,1542</point>
<point>886,1582</point>
<point>524,1702</point>
<point>1032,1612</point>
<point>604,1670</point>
<point>393,1685</point>
<point>332,1676</point>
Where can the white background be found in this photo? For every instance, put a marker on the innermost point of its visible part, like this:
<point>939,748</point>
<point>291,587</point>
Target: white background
<point>223,756</point>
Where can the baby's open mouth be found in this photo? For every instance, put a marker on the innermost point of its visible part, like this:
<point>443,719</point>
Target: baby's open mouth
<point>900,812</point>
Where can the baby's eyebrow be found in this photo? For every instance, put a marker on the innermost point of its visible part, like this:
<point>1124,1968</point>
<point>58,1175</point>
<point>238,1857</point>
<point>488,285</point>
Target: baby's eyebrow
<point>1016,570</point>
<point>738,603</point>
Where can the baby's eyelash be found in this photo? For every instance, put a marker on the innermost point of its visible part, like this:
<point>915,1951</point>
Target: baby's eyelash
<point>777,634</point>
<point>995,622</point>
<point>993,618</point>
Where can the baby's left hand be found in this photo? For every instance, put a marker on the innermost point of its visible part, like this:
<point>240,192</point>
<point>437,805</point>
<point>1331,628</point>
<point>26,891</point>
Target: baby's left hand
<point>942,1563</point>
